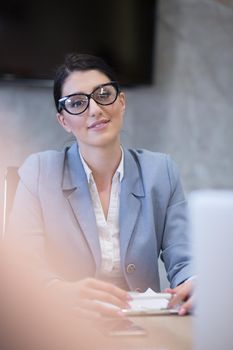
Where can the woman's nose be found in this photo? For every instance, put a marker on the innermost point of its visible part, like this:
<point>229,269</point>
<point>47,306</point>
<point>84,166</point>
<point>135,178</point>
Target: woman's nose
<point>94,108</point>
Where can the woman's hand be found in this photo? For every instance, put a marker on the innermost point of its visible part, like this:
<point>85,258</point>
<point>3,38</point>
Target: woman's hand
<point>87,297</point>
<point>183,294</point>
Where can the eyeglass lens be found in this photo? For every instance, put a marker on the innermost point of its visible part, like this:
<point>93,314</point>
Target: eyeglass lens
<point>103,95</point>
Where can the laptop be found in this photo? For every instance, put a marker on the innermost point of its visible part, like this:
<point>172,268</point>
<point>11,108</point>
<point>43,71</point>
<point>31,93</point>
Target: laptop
<point>211,225</point>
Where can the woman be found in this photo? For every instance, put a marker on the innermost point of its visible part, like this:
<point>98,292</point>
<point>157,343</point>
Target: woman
<point>106,211</point>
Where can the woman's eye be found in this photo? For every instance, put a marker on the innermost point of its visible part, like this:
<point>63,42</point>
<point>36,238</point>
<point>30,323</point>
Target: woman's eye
<point>77,103</point>
<point>103,95</point>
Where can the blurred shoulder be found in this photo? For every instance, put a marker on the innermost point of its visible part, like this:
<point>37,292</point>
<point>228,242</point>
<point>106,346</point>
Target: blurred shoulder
<point>155,164</point>
<point>42,161</point>
<point>147,158</point>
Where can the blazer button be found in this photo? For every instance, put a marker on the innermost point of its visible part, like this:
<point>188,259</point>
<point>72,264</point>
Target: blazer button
<point>130,268</point>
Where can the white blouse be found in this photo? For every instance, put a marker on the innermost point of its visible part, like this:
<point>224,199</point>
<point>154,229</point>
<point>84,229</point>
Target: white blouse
<point>108,228</point>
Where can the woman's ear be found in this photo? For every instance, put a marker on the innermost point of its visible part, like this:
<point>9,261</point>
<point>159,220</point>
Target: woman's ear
<point>122,100</point>
<point>63,122</point>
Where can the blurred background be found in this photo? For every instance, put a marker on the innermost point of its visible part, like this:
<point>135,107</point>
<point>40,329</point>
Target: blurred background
<point>174,59</point>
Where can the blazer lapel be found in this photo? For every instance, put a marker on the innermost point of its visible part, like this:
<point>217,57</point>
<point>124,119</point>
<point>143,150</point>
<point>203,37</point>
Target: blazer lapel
<point>130,204</point>
<point>76,190</point>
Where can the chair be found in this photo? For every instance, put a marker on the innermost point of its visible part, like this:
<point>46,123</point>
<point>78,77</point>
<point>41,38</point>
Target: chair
<point>10,184</point>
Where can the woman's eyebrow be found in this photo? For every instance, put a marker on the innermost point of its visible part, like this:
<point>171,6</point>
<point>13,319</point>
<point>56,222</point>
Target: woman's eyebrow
<point>85,93</point>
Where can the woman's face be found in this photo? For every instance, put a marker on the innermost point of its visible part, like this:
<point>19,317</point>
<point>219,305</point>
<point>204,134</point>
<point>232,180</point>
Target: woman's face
<point>98,125</point>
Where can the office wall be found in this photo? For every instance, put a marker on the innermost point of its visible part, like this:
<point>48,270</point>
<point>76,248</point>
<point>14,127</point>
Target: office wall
<point>187,112</point>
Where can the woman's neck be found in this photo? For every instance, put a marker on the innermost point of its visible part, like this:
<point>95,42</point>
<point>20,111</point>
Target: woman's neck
<point>103,162</point>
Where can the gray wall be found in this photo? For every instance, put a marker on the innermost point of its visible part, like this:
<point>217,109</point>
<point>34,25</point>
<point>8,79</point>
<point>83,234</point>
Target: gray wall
<point>187,112</point>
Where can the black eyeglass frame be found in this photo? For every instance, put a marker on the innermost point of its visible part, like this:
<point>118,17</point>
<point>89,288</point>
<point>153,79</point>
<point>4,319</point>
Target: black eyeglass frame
<point>61,101</point>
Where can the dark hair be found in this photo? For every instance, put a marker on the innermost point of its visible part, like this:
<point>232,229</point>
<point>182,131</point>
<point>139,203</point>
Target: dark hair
<point>78,62</point>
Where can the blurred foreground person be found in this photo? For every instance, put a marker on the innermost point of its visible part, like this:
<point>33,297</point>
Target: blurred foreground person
<point>32,317</point>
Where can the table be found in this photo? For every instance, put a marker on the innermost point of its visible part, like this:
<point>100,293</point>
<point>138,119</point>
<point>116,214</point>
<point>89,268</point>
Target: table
<point>170,332</point>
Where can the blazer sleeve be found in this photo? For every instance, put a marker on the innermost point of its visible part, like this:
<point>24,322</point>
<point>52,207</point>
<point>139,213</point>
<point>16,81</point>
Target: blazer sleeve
<point>26,226</point>
<point>176,244</point>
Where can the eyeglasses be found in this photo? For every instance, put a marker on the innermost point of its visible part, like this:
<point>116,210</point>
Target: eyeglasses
<point>104,94</point>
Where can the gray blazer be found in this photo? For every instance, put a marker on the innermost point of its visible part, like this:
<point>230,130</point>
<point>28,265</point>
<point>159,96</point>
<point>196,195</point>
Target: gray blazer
<point>53,211</point>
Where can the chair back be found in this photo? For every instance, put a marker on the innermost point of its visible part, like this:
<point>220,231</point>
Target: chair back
<point>11,180</point>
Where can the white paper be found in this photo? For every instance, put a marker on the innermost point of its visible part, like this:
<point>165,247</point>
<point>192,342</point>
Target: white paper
<point>148,303</point>
<point>151,301</point>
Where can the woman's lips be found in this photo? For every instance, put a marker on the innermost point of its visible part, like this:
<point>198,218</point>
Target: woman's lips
<point>99,124</point>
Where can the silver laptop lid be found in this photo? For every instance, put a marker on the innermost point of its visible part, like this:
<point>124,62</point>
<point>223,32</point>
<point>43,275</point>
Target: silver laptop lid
<point>211,224</point>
